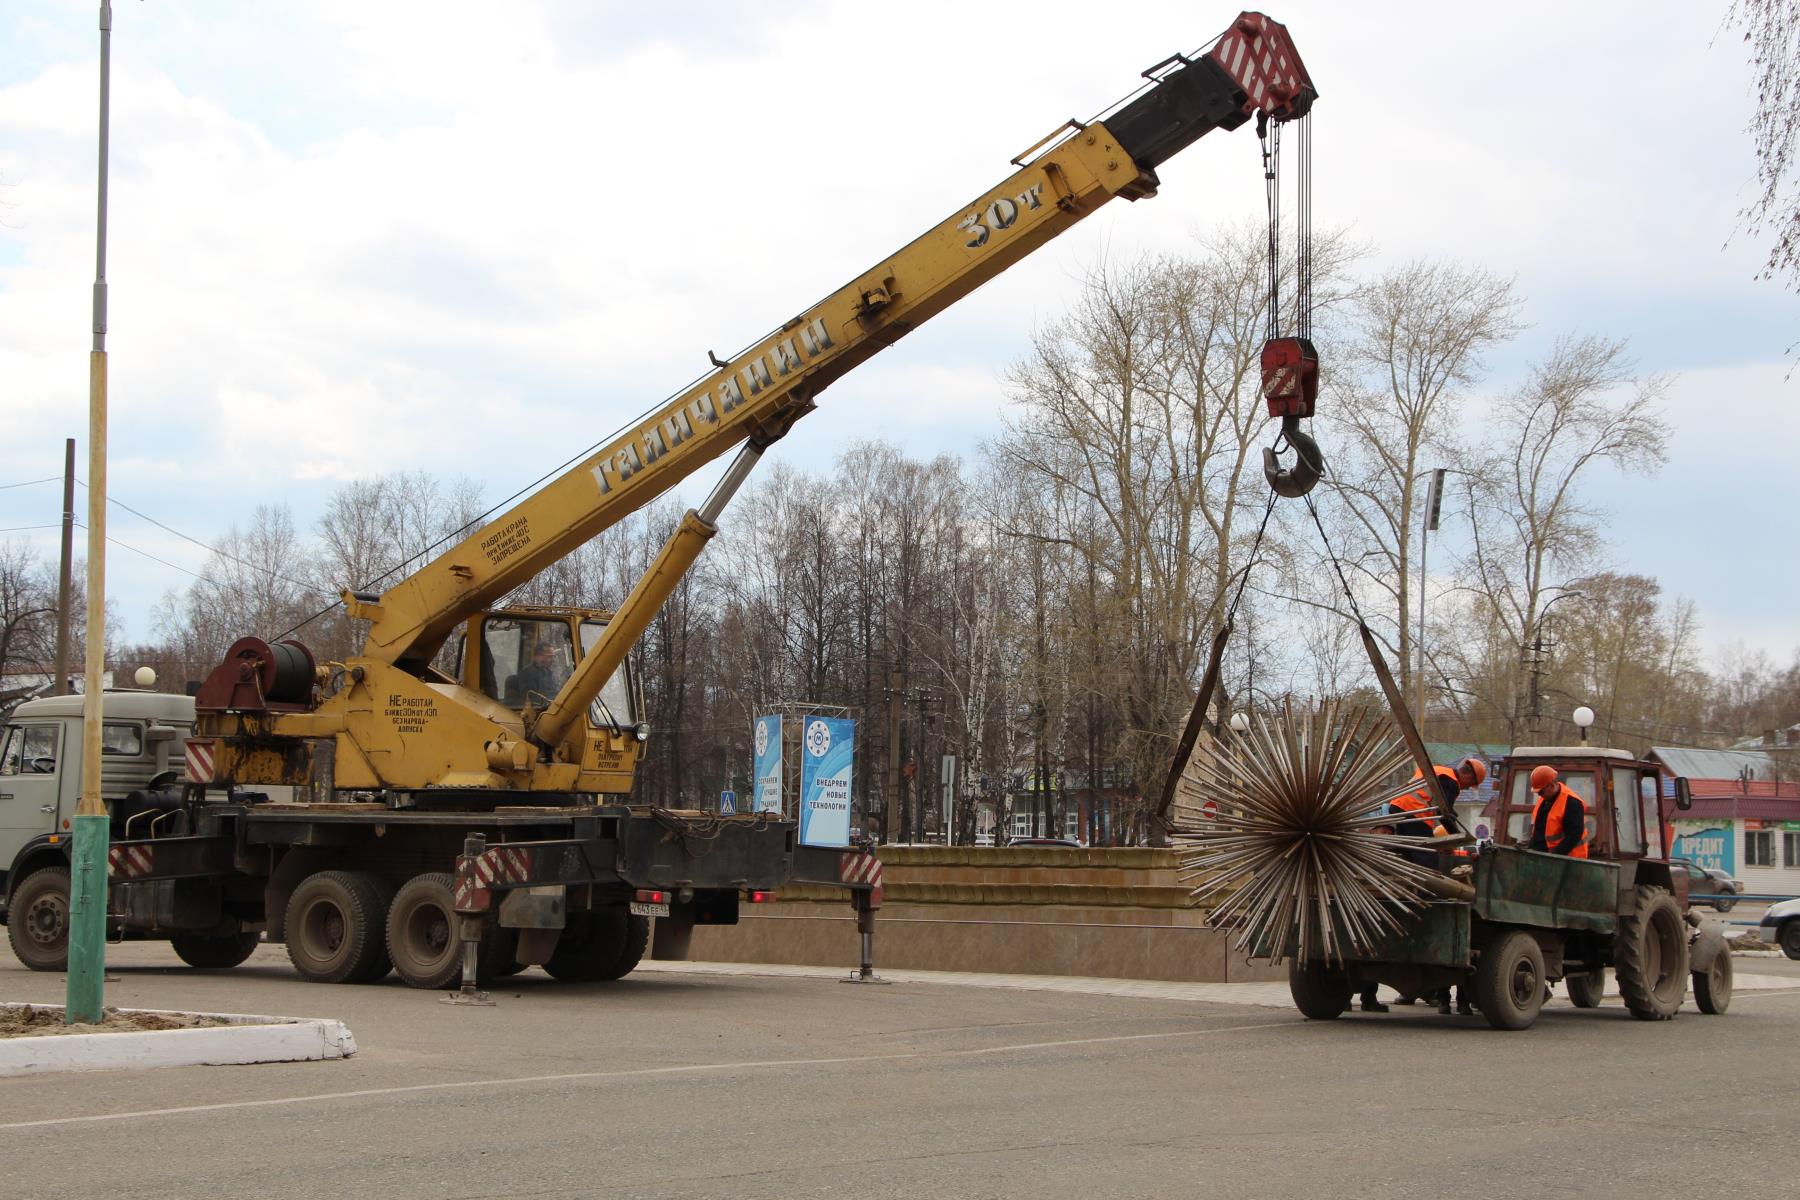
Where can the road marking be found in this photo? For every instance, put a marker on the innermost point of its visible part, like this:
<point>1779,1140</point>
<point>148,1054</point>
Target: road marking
<point>641,1072</point>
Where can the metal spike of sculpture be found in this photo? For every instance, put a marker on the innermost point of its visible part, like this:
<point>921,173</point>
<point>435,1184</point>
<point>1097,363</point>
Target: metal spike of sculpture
<point>1278,825</point>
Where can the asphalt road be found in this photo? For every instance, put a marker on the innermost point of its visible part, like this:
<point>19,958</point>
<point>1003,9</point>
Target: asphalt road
<point>680,1085</point>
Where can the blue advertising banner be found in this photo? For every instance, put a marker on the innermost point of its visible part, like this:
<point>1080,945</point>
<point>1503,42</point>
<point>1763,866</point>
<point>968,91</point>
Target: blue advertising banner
<point>828,752</point>
<point>1714,849</point>
<point>767,771</point>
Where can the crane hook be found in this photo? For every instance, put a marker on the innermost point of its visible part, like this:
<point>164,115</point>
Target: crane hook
<point>1309,465</point>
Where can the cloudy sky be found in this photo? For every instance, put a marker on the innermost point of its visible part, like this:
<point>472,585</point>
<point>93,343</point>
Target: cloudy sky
<point>351,238</point>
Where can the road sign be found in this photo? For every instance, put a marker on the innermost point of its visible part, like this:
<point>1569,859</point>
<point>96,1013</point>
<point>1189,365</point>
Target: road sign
<point>1210,810</point>
<point>728,801</point>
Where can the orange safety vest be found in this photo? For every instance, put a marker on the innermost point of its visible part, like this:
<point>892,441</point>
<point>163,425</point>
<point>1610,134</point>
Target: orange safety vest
<point>1424,801</point>
<point>1553,825</point>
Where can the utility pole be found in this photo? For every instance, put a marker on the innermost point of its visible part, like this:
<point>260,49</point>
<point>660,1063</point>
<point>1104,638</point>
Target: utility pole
<point>1434,501</point>
<point>85,997</point>
<point>893,816</point>
<point>64,584</point>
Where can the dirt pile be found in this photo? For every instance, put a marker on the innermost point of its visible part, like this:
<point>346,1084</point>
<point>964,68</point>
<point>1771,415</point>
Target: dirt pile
<point>27,1020</point>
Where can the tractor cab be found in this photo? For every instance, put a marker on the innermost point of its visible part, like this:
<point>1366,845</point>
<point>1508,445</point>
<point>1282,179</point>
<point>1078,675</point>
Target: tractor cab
<point>1622,794</point>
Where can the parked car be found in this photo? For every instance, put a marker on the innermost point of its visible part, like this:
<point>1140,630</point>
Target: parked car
<point>1781,925</point>
<point>1711,885</point>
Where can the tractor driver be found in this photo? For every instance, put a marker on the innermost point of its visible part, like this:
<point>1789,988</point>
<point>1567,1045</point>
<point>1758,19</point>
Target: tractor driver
<point>1559,818</point>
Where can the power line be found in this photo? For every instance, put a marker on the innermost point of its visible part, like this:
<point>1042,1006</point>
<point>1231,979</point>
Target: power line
<point>21,528</point>
<point>128,546</point>
<point>196,541</point>
<point>29,482</point>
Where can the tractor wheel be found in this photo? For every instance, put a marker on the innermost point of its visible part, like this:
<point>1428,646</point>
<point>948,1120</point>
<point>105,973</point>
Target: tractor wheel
<point>215,952</point>
<point>1651,956</point>
<point>37,925</point>
<point>422,935</point>
<point>1587,989</point>
<point>334,921</point>
<point>1509,981</point>
<point>1789,938</point>
<point>1320,993</point>
<point>603,945</point>
<point>1712,987</point>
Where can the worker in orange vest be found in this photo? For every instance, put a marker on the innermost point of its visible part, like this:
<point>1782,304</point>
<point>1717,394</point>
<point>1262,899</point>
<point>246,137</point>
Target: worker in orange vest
<point>1559,818</point>
<point>1428,822</point>
<point>1422,819</point>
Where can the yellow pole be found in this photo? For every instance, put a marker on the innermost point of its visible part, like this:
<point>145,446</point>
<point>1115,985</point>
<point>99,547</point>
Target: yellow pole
<point>85,997</point>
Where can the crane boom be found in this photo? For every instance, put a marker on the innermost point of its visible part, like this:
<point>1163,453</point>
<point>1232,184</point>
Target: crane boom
<point>493,730</point>
<point>761,391</point>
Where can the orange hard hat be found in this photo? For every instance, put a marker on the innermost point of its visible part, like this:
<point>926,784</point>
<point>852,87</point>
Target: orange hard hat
<point>1477,768</point>
<point>1542,777</point>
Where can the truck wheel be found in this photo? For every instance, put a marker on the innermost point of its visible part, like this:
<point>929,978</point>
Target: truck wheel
<point>1651,957</point>
<point>1712,987</point>
<point>334,922</point>
<point>602,945</point>
<point>226,951</point>
<point>37,924</point>
<point>1789,938</point>
<point>1588,989</point>
<point>421,932</point>
<point>1320,993</point>
<point>1509,981</point>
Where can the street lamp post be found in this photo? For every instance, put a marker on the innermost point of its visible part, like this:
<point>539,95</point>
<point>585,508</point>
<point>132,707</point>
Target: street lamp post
<point>1534,643</point>
<point>1584,718</point>
<point>85,995</point>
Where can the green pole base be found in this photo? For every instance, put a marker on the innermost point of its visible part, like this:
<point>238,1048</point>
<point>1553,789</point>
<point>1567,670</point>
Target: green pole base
<point>87,921</point>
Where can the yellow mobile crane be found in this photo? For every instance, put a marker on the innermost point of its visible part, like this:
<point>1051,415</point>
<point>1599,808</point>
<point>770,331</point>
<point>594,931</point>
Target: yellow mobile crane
<point>531,737</point>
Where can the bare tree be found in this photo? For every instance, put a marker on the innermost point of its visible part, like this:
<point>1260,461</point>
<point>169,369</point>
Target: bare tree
<point>1772,34</point>
<point>27,620</point>
<point>1581,407</point>
<point>1416,342</point>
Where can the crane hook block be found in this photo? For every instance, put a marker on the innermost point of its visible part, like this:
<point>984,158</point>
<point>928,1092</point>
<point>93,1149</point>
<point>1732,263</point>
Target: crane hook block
<point>1309,465</point>
<point>1290,376</point>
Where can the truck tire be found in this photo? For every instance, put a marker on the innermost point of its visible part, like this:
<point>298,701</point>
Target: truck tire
<point>1587,989</point>
<point>1320,993</point>
<point>1651,956</point>
<point>1789,937</point>
<point>421,932</point>
<point>1509,981</point>
<point>217,952</point>
<point>1712,987</point>
<point>603,945</point>
<point>334,927</point>
<point>37,924</point>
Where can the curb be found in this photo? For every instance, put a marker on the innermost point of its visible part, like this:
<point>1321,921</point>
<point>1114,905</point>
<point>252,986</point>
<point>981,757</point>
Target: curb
<point>247,1038</point>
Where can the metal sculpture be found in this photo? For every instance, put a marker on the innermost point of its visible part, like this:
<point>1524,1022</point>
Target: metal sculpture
<point>1279,824</point>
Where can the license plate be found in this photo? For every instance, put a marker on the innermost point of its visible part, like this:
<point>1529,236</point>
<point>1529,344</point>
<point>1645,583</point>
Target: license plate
<point>649,910</point>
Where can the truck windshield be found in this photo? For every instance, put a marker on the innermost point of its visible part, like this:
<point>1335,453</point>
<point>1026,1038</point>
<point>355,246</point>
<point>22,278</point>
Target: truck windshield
<point>525,659</point>
<point>612,707</point>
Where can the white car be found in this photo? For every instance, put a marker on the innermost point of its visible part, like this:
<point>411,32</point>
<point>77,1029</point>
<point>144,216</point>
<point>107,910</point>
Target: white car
<point>1781,925</point>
